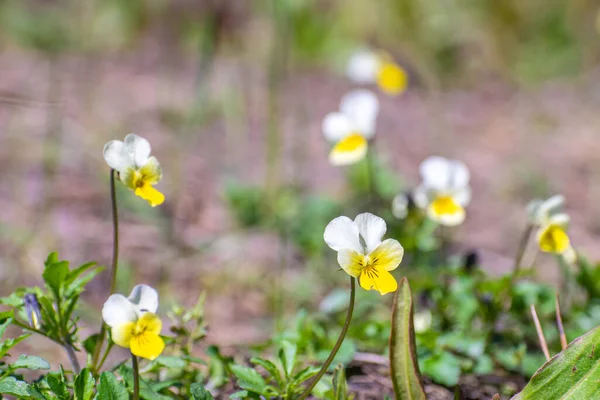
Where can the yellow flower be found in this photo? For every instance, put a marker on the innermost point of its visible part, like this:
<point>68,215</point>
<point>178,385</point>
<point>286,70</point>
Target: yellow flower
<point>368,67</point>
<point>444,192</point>
<point>137,170</point>
<point>134,323</point>
<point>350,129</point>
<point>362,253</point>
<point>552,225</point>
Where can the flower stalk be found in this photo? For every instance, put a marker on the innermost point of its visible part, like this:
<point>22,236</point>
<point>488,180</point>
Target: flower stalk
<point>338,344</point>
<point>114,265</point>
<point>136,377</point>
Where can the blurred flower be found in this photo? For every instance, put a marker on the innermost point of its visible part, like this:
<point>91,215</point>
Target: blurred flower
<point>351,127</point>
<point>32,308</point>
<point>444,191</point>
<point>362,254</point>
<point>402,204</point>
<point>367,67</point>
<point>134,324</point>
<point>137,170</point>
<point>422,321</point>
<point>552,225</point>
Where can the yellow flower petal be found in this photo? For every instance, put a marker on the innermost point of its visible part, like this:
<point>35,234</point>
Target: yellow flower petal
<point>349,150</point>
<point>153,196</point>
<point>149,323</point>
<point>446,211</point>
<point>553,239</point>
<point>379,279</point>
<point>147,345</point>
<point>391,78</point>
<point>122,334</point>
<point>387,255</point>
<point>151,172</point>
<point>351,261</point>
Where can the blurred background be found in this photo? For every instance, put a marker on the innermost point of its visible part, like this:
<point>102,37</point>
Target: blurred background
<point>231,95</point>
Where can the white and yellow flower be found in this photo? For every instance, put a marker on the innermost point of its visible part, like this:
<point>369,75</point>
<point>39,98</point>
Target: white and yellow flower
<point>134,323</point>
<point>362,253</point>
<point>552,225</point>
<point>369,67</point>
<point>400,205</point>
<point>350,129</point>
<point>137,170</point>
<point>444,192</point>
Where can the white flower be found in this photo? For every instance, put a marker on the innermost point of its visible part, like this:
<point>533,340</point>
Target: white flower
<point>137,170</point>
<point>361,252</point>
<point>368,67</point>
<point>444,191</point>
<point>400,206</point>
<point>134,323</point>
<point>350,128</point>
<point>552,224</point>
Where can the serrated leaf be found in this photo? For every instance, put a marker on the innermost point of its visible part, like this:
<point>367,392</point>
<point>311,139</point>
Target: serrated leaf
<point>249,379</point>
<point>58,387</point>
<point>340,386</point>
<point>110,388</point>
<point>54,275</point>
<point>51,259</point>
<point>30,362</point>
<point>83,387</point>
<point>12,386</point>
<point>8,344</point>
<point>270,367</point>
<point>200,393</point>
<point>404,365</point>
<point>572,374</point>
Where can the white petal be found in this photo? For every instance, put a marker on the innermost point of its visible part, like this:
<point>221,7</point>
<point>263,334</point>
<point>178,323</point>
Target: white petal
<point>552,204</point>
<point>342,233</point>
<point>363,67</point>
<point>361,107</point>
<point>400,206</point>
<point>371,228</point>
<point>138,147</point>
<point>421,196</point>
<point>442,174</point>
<point>117,310</point>
<point>144,298</point>
<point>560,219</point>
<point>336,126</point>
<point>117,156</point>
<point>533,211</point>
<point>462,196</point>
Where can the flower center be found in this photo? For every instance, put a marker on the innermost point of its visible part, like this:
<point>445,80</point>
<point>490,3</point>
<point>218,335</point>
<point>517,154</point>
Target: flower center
<point>445,205</point>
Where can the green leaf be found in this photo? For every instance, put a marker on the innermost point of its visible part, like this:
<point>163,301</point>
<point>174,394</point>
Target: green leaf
<point>74,274</point>
<point>54,275</point>
<point>83,387</point>
<point>572,374</point>
<point>249,379</point>
<point>270,367</point>
<point>172,362</point>
<point>8,344</point>
<point>58,387</point>
<point>52,258</point>
<point>30,362</point>
<point>110,388</point>
<point>11,385</point>
<point>146,392</point>
<point>340,386</point>
<point>403,356</point>
<point>200,393</point>
<point>287,355</point>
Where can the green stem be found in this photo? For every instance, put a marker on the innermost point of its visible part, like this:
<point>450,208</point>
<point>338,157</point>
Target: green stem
<point>114,266</point>
<point>72,358</point>
<point>521,250</point>
<point>338,344</point>
<point>136,377</point>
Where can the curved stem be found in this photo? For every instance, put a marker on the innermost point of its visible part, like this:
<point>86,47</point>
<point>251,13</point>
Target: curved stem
<point>72,358</point>
<point>136,377</point>
<point>521,251</point>
<point>114,265</point>
<point>338,344</point>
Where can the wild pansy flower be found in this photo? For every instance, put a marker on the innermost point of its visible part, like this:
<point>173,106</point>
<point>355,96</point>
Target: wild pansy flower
<point>133,321</point>
<point>137,170</point>
<point>444,192</point>
<point>552,224</point>
<point>350,128</point>
<point>32,308</point>
<point>361,252</point>
<point>368,67</point>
